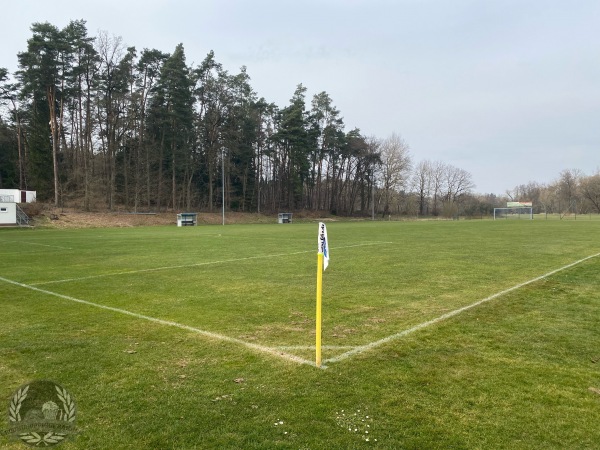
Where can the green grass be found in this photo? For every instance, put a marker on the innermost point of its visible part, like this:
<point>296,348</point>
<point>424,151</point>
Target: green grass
<point>514,372</point>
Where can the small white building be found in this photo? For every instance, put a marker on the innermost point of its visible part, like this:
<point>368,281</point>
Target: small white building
<point>17,196</point>
<point>10,212</point>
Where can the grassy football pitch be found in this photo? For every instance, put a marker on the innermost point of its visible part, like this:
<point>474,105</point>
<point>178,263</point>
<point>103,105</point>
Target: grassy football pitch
<point>465,334</point>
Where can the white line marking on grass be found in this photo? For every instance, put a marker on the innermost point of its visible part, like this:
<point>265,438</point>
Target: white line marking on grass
<point>32,251</point>
<point>208,263</point>
<point>209,334</point>
<point>35,243</point>
<point>313,347</point>
<point>363,348</point>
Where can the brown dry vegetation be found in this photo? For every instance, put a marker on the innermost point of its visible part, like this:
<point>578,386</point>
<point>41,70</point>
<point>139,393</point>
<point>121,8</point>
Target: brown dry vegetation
<point>46,216</point>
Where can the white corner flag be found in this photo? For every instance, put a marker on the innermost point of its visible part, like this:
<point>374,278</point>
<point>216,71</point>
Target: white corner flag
<point>323,244</point>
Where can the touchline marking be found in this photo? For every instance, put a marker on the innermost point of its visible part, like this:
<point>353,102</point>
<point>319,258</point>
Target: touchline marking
<point>209,334</point>
<point>32,251</point>
<point>313,347</point>
<point>183,266</point>
<point>363,348</point>
<point>35,243</point>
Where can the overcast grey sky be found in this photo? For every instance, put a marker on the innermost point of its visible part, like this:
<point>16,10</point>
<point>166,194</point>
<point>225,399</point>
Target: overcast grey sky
<point>508,90</point>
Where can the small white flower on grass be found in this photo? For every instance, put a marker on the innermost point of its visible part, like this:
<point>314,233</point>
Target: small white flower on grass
<point>279,423</point>
<point>357,422</point>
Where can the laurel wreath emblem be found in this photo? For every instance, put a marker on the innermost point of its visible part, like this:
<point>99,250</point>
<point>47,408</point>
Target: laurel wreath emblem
<point>47,439</point>
<point>69,405</point>
<point>33,438</point>
<point>15,404</point>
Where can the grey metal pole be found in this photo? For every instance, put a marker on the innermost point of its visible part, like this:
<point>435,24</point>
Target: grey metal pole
<point>373,200</point>
<point>223,180</point>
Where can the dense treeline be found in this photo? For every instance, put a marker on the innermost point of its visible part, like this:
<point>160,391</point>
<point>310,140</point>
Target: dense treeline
<point>87,121</point>
<point>91,120</point>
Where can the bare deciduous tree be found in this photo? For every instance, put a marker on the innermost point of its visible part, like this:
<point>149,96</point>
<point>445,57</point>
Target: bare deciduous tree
<point>568,190</point>
<point>590,190</point>
<point>396,164</point>
<point>421,184</point>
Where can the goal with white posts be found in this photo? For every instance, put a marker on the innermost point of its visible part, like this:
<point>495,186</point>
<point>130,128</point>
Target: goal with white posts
<point>515,210</point>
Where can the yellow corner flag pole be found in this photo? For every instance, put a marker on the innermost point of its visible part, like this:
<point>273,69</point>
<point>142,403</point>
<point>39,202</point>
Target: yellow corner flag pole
<point>322,263</point>
<point>319,297</point>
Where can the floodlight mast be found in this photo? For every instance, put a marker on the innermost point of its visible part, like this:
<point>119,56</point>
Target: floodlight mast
<point>372,195</point>
<point>223,181</point>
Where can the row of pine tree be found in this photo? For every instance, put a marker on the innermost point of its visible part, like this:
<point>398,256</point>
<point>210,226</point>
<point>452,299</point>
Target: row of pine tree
<point>93,123</point>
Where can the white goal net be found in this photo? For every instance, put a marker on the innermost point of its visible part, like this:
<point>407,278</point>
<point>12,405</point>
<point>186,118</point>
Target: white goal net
<point>521,212</point>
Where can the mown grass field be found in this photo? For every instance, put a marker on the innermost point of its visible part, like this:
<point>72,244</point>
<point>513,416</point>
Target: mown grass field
<point>203,337</point>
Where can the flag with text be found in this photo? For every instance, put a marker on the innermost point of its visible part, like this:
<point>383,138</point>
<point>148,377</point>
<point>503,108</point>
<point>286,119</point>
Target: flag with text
<point>323,244</point>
